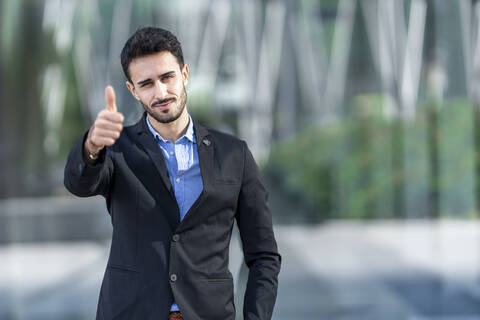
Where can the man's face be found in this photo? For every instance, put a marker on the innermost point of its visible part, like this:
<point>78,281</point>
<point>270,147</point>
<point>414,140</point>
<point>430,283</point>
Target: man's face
<point>159,84</point>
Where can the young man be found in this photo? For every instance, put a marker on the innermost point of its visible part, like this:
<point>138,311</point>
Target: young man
<point>173,189</point>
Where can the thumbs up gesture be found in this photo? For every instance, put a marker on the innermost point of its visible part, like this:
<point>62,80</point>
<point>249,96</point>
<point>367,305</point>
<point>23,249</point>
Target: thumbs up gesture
<point>106,129</point>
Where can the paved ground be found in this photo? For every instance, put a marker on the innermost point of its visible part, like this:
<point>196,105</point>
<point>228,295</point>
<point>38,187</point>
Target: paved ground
<point>384,270</point>
<point>336,271</point>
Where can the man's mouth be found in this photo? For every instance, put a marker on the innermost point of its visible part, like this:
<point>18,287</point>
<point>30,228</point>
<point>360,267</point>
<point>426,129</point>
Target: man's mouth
<point>163,104</point>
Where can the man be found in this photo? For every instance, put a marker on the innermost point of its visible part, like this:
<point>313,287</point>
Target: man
<point>173,189</point>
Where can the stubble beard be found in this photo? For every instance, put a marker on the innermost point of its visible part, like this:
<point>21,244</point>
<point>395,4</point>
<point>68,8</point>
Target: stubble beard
<point>164,116</point>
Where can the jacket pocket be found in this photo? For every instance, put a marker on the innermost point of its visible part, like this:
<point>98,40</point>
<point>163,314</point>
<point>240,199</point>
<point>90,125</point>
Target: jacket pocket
<point>218,277</point>
<point>119,268</point>
<point>118,293</point>
<point>216,299</point>
<point>218,280</point>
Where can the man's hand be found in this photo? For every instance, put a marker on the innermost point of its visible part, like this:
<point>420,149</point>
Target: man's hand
<point>106,128</point>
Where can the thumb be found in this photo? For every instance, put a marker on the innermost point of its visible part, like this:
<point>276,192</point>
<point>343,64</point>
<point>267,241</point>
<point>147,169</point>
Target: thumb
<point>110,98</point>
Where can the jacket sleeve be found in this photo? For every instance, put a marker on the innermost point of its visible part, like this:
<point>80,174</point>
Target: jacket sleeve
<point>83,179</point>
<point>254,221</point>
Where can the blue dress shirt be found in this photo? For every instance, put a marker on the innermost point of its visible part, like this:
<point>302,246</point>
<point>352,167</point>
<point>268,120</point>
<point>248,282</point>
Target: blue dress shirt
<point>183,168</point>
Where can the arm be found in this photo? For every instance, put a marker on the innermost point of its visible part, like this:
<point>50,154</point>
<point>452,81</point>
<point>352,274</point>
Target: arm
<point>259,246</point>
<point>89,167</point>
<point>85,178</point>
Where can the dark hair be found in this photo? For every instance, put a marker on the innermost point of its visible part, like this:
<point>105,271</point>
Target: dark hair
<point>149,40</point>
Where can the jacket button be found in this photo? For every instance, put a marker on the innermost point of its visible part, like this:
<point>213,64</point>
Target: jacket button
<point>173,277</point>
<point>175,237</point>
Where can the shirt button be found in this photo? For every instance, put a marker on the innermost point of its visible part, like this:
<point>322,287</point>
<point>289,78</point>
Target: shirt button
<point>171,153</point>
<point>175,237</point>
<point>173,277</point>
<point>178,179</point>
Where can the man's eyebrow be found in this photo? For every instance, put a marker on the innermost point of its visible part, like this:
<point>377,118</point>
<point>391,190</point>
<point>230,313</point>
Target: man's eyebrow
<point>144,81</point>
<point>161,76</point>
<point>167,74</point>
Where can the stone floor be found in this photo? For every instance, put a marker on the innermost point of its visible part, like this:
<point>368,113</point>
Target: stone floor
<point>338,270</point>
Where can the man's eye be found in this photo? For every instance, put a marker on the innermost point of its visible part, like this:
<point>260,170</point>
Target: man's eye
<point>146,84</point>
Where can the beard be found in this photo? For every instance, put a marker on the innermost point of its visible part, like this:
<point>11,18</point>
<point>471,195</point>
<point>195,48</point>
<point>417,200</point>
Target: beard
<point>165,116</point>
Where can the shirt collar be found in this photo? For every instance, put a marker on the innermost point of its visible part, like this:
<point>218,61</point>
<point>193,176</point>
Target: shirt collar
<point>189,134</point>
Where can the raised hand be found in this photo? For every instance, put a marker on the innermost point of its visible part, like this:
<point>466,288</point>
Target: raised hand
<point>107,127</point>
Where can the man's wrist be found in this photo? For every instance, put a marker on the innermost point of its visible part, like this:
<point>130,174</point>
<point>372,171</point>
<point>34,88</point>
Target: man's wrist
<point>91,154</point>
<point>92,157</point>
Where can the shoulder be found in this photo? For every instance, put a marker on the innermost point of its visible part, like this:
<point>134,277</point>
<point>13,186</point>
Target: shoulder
<point>130,132</point>
<point>224,136</point>
<point>137,127</point>
<point>220,138</point>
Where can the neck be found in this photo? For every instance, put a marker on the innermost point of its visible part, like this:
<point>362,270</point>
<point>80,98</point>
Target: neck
<point>173,130</point>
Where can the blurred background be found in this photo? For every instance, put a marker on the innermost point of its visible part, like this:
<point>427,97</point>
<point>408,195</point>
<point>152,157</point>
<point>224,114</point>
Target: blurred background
<point>363,116</point>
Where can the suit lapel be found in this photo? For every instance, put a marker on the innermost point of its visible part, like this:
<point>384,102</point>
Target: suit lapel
<point>149,144</point>
<point>206,156</point>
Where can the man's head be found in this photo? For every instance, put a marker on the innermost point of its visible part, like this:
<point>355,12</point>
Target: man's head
<point>152,60</point>
<point>147,41</point>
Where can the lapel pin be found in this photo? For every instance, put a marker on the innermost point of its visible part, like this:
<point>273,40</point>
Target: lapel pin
<point>206,142</point>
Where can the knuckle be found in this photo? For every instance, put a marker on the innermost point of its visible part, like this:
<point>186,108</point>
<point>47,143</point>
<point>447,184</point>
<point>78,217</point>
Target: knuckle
<point>99,122</point>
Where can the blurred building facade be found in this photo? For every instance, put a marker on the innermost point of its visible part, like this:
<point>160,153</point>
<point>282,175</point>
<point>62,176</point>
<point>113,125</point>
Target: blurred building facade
<point>265,70</point>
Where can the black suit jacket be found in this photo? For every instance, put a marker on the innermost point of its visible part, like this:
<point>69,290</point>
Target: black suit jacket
<point>154,257</point>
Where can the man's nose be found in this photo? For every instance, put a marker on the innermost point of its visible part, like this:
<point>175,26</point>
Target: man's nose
<point>160,89</point>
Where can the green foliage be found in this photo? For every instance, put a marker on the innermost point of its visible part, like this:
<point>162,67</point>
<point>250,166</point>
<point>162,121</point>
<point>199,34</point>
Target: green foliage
<point>456,140</point>
<point>73,126</point>
<point>371,166</point>
<point>328,2</point>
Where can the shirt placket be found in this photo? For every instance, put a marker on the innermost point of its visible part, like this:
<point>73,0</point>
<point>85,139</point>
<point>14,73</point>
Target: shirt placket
<point>180,194</point>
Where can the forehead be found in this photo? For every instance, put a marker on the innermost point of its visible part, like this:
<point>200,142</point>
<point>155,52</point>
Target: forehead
<point>153,65</point>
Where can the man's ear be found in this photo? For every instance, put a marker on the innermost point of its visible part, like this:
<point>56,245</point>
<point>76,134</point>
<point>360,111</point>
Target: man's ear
<point>131,88</point>
<point>185,74</point>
